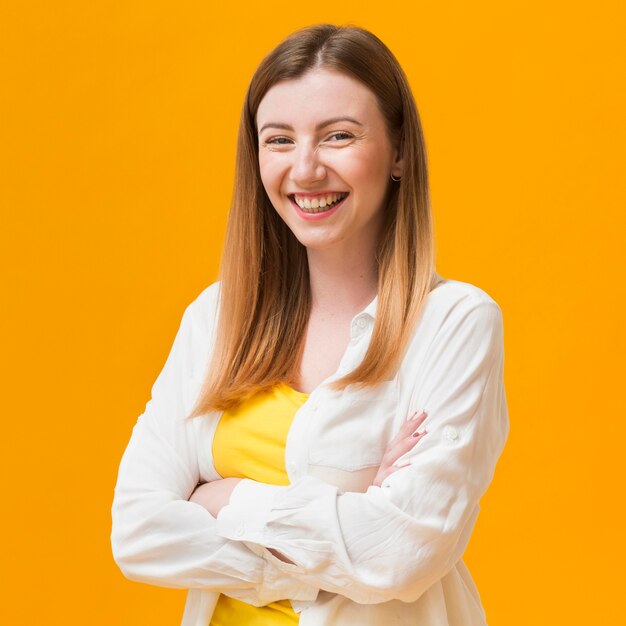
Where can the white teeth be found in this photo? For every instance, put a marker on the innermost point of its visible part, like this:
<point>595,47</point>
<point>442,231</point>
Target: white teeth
<point>317,205</point>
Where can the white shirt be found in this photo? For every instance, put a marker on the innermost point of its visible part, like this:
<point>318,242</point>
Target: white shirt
<point>361,554</point>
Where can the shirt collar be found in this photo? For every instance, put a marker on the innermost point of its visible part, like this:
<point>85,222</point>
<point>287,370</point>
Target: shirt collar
<point>372,307</point>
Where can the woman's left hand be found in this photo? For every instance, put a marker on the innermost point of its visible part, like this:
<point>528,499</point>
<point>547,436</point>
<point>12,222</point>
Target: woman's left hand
<point>404,441</point>
<point>215,495</point>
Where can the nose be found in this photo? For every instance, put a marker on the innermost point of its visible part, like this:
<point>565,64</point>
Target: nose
<point>306,167</point>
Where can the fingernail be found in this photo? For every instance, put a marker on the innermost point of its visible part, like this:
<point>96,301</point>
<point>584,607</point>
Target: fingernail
<point>419,413</point>
<point>416,434</point>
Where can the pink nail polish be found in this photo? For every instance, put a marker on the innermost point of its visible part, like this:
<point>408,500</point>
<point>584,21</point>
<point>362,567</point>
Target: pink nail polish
<point>419,413</point>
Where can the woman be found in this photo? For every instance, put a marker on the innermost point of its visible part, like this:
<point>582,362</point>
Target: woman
<point>276,471</point>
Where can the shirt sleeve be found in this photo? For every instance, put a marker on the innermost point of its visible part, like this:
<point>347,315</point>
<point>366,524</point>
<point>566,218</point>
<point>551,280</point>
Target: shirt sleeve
<point>395,541</point>
<point>158,536</point>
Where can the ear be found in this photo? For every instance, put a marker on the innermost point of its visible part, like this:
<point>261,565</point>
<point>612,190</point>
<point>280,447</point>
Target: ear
<point>397,169</point>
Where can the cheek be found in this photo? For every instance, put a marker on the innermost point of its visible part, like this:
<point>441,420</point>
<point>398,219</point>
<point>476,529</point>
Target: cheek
<point>376,167</point>
<point>271,175</point>
<point>370,180</point>
<point>264,170</point>
<point>368,168</point>
<point>271,178</point>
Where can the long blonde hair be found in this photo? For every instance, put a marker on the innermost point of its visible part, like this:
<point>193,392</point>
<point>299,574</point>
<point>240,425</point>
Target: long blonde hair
<point>264,292</point>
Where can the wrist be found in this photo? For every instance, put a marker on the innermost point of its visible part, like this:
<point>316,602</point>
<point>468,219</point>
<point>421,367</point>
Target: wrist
<point>215,495</point>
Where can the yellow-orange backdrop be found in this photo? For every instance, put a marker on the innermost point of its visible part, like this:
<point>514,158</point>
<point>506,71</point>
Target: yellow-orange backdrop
<point>118,124</point>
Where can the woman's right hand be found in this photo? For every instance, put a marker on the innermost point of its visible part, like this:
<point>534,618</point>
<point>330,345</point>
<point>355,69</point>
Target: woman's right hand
<point>400,445</point>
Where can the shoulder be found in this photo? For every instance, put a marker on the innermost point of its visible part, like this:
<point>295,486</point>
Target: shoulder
<point>201,314</point>
<point>450,294</point>
<point>455,313</point>
<point>453,300</point>
<point>194,339</point>
<point>205,304</point>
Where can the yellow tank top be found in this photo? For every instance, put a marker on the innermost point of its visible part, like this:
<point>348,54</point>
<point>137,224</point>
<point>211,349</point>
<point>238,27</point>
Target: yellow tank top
<point>250,443</point>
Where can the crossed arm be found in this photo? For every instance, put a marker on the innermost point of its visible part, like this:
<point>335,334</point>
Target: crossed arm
<point>355,544</point>
<point>170,532</point>
<point>215,495</point>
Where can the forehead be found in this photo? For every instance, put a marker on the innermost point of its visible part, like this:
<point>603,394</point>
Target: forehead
<point>317,95</point>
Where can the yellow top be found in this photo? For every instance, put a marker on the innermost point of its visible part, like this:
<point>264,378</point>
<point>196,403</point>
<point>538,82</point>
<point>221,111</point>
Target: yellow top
<point>250,443</point>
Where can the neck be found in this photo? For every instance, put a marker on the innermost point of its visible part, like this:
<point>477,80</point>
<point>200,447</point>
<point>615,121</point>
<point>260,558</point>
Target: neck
<point>343,281</point>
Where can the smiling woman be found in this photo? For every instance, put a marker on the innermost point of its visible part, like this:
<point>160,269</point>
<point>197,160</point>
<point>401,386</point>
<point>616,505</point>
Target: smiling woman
<point>280,470</point>
<point>336,148</point>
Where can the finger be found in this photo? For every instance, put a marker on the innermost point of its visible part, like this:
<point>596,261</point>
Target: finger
<point>402,447</point>
<point>400,464</point>
<point>410,426</point>
<point>403,441</point>
<point>383,475</point>
<point>418,418</point>
<point>412,423</point>
<point>408,442</point>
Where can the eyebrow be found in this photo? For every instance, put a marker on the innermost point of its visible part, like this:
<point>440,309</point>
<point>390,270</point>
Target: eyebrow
<point>332,120</point>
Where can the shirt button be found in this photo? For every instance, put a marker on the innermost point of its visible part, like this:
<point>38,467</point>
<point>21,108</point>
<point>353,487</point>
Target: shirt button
<point>450,433</point>
<point>241,529</point>
<point>361,323</point>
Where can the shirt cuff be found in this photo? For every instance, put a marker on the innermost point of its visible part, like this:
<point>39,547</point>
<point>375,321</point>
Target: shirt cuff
<point>245,517</point>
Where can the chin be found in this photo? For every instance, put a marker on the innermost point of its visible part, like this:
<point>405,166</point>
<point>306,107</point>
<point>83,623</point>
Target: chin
<point>319,242</point>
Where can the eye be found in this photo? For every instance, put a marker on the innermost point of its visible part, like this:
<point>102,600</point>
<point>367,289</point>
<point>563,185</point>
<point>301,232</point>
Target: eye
<point>278,141</point>
<point>340,136</point>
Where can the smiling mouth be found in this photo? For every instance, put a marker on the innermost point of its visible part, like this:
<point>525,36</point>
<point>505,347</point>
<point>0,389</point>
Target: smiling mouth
<point>319,204</point>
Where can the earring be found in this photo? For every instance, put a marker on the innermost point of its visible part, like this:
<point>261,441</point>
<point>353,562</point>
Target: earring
<point>396,180</point>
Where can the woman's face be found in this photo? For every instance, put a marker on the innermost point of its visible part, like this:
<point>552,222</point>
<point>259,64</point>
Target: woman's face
<point>326,158</point>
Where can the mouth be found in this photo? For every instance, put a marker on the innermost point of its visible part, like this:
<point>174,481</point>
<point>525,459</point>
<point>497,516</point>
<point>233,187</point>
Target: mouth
<point>321,203</point>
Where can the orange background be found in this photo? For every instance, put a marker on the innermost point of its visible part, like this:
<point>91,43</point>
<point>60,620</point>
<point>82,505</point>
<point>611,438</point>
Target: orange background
<point>118,124</point>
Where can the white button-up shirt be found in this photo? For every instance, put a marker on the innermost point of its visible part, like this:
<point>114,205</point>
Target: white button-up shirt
<point>360,554</point>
